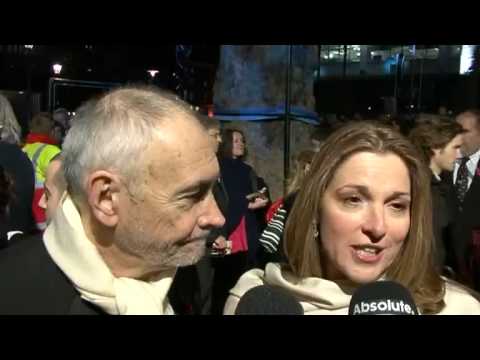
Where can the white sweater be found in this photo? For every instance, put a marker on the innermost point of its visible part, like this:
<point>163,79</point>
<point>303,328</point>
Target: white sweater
<point>323,297</point>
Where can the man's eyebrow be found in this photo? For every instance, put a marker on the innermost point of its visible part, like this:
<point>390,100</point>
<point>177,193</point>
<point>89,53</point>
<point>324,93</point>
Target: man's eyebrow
<point>202,185</point>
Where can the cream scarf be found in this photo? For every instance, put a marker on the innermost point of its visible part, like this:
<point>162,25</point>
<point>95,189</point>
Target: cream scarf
<point>76,255</point>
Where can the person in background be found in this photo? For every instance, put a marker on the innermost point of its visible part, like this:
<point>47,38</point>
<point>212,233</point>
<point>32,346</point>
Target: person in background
<point>40,148</point>
<point>241,224</point>
<point>61,124</point>
<point>55,185</point>
<point>438,140</point>
<point>271,237</point>
<point>10,130</point>
<point>466,221</point>
<point>19,168</point>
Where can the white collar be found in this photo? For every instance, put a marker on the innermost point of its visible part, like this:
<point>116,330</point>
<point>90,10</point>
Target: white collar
<point>78,258</point>
<point>474,158</point>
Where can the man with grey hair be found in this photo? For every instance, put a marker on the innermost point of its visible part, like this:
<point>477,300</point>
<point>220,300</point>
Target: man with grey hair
<point>140,170</point>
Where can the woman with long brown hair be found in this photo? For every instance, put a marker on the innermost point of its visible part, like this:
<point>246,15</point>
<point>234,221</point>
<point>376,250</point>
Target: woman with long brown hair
<point>363,214</point>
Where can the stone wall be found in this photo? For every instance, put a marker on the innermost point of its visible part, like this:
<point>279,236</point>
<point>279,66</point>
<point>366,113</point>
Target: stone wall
<point>254,76</point>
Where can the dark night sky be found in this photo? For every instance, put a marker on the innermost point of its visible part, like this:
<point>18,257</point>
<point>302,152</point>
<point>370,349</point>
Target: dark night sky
<point>116,63</point>
<point>112,62</point>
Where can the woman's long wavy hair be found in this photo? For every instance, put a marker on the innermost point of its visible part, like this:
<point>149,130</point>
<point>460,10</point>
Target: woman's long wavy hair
<point>302,166</point>
<point>414,266</point>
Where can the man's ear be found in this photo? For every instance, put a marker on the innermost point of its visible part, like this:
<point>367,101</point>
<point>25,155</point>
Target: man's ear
<point>103,189</point>
<point>437,151</point>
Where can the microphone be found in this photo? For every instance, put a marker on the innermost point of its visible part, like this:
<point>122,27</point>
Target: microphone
<point>268,300</point>
<point>382,298</point>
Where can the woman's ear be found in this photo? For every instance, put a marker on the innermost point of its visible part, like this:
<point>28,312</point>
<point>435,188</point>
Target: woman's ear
<point>103,190</point>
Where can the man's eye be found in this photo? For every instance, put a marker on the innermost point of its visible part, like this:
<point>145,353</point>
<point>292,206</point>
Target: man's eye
<point>200,195</point>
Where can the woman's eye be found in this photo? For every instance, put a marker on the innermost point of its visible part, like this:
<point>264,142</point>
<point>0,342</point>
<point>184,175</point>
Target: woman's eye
<point>399,207</point>
<point>353,200</point>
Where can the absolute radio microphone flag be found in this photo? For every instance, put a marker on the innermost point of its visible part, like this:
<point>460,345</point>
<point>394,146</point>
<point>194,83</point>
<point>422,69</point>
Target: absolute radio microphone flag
<point>382,298</point>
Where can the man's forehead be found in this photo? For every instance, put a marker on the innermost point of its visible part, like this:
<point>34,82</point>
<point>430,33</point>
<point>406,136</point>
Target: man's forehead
<point>179,154</point>
<point>186,171</point>
<point>467,119</point>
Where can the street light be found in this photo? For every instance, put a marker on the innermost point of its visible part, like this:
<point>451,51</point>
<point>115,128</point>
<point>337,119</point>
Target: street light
<point>152,73</point>
<point>57,69</point>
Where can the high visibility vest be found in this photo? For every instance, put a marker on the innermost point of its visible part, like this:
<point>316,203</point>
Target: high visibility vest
<point>40,155</point>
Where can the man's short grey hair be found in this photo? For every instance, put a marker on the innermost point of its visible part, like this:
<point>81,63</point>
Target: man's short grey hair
<point>113,131</point>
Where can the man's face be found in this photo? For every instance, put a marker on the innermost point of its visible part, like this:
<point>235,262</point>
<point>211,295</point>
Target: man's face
<point>215,138</point>
<point>168,217</point>
<point>471,138</point>
<point>445,157</point>
<point>54,188</point>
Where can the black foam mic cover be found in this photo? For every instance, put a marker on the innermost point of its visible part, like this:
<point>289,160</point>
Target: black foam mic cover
<point>268,300</point>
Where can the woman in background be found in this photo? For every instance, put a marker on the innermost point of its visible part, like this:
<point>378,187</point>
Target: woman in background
<point>241,223</point>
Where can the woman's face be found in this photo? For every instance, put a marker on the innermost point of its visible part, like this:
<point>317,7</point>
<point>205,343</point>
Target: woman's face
<point>365,216</point>
<point>238,145</point>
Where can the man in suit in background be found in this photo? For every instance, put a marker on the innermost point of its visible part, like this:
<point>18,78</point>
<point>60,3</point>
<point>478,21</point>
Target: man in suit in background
<point>466,180</point>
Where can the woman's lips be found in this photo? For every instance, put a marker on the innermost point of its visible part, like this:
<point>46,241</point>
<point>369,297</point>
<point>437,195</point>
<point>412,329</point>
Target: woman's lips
<point>367,254</point>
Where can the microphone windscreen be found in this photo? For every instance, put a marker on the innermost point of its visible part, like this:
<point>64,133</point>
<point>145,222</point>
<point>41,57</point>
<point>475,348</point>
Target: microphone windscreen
<point>268,300</point>
<point>382,298</point>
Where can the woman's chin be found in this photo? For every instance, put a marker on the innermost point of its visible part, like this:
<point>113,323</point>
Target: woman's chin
<point>364,276</point>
